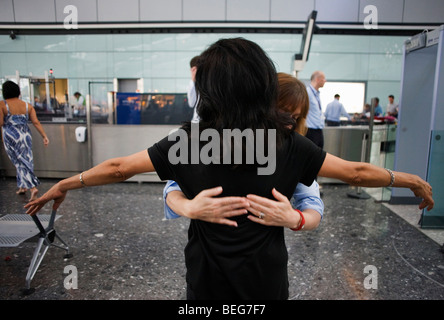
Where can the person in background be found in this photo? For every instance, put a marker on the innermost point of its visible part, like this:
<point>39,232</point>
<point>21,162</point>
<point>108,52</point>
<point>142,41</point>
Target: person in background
<point>78,104</point>
<point>37,104</point>
<point>378,108</point>
<point>334,111</point>
<point>392,107</point>
<point>366,111</point>
<point>14,116</point>
<point>191,91</point>
<point>315,120</point>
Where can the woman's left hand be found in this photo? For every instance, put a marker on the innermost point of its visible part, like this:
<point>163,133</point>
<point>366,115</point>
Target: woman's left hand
<point>277,213</point>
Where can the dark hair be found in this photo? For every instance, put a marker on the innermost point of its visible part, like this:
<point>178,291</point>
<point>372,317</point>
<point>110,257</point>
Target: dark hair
<point>237,87</point>
<point>194,61</point>
<point>391,96</point>
<point>10,90</point>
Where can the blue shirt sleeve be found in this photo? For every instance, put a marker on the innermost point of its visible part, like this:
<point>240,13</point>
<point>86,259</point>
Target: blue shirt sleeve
<point>170,186</point>
<point>344,112</point>
<point>308,198</point>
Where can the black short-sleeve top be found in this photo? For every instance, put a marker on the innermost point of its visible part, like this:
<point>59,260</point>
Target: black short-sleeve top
<point>248,261</point>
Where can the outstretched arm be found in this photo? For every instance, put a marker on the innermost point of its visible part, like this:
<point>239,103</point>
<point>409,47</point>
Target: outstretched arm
<point>109,171</point>
<point>368,175</point>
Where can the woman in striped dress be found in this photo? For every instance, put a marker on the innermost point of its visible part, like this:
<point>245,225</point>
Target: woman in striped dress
<point>14,117</point>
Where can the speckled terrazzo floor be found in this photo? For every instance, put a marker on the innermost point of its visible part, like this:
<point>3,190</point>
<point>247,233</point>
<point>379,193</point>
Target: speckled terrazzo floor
<point>124,250</point>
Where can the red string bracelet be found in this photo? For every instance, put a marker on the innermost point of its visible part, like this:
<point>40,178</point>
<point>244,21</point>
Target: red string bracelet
<point>302,223</point>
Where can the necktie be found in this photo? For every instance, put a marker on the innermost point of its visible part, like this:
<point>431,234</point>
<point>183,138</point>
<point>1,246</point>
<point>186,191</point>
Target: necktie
<point>317,97</point>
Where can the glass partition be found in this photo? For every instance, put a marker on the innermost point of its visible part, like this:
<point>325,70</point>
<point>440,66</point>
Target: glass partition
<point>145,108</point>
<point>101,104</point>
<point>388,150</point>
<point>44,99</point>
<point>435,174</point>
<point>382,154</point>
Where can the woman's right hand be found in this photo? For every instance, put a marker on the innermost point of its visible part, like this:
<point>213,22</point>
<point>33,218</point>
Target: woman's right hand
<point>55,193</point>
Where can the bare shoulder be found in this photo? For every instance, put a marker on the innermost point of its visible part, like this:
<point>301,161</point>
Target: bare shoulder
<point>30,107</point>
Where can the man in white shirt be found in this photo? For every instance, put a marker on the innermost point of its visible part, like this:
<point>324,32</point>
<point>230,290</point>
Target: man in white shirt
<point>392,107</point>
<point>77,103</point>
<point>334,111</point>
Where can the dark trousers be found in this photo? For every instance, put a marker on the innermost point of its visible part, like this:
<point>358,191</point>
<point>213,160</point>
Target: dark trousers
<point>317,136</point>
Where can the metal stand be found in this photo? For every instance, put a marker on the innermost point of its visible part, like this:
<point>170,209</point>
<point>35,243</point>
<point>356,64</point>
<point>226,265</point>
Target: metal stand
<point>46,239</point>
<point>358,193</point>
<point>17,228</point>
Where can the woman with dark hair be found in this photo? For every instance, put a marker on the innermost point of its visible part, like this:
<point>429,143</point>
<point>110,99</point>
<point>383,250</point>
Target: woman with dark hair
<point>14,117</point>
<point>207,206</point>
<point>237,86</point>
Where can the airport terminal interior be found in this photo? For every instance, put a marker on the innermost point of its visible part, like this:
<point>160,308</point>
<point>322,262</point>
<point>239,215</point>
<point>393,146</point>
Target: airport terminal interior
<point>109,78</point>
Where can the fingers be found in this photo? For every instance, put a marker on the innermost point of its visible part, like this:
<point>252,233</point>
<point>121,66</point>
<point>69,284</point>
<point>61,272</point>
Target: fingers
<point>33,207</point>
<point>211,192</point>
<point>231,214</point>
<point>267,202</point>
<point>230,203</point>
<point>426,204</point>
<point>256,219</point>
<point>228,222</point>
<point>278,196</point>
<point>220,210</point>
<point>223,215</point>
<point>257,209</point>
<point>227,202</point>
<point>229,210</point>
<point>260,204</point>
<point>259,201</point>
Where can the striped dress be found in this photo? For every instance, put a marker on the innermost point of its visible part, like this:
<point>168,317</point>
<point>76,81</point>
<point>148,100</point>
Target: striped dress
<point>18,145</point>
